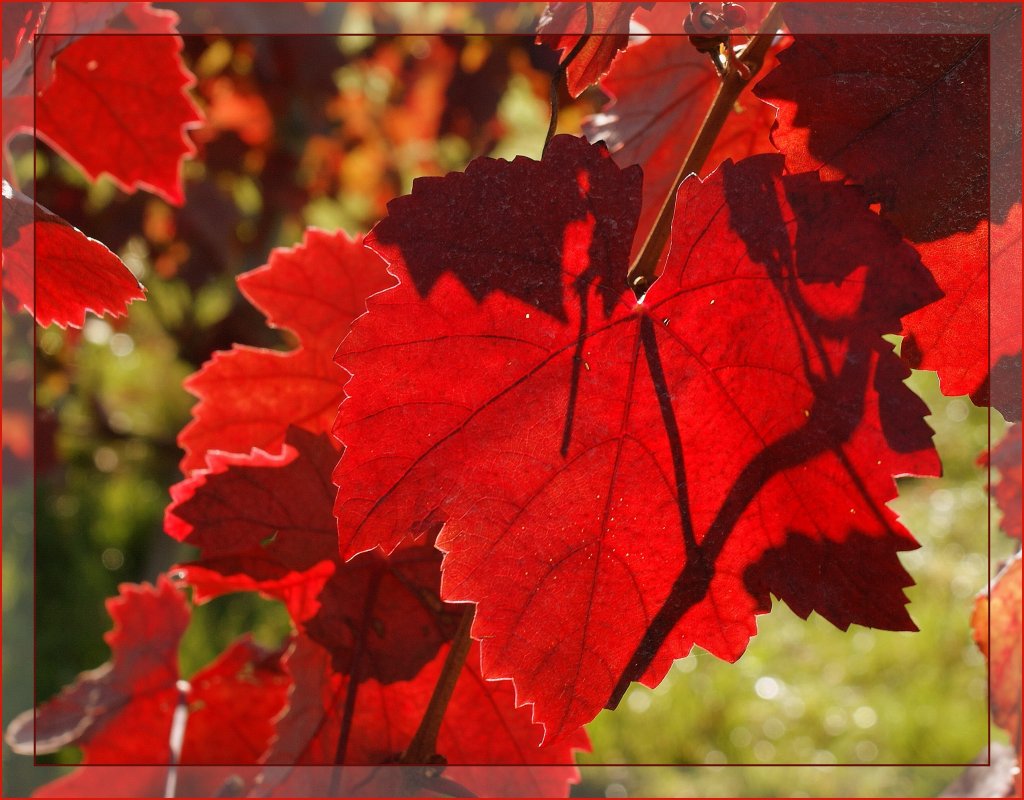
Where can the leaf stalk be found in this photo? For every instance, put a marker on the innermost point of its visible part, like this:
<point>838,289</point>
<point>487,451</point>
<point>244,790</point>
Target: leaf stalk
<point>740,72</point>
<point>558,78</point>
<point>423,747</point>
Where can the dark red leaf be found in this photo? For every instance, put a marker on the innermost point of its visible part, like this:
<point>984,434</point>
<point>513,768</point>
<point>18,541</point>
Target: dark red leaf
<point>71,273</point>
<point>999,22</point>
<point>481,729</point>
<point>120,105</point>
<point>264,523</point>
<point>999,614</point>
<point>874,110</point>
<point>661,90</point>
<point>562,25</point>
<point>121,713</point>
<point>1006,490</point>
<point>610,471</point>
<point>908,116</point>
<point>249,396</point>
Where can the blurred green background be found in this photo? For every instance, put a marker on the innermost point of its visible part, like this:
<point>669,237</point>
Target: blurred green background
<point>323,132</point>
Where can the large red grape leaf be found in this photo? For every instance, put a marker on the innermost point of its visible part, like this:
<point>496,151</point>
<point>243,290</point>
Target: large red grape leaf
<point>249,396</point>
<point>977,324</point>
<point>119,104</point>
<point>562,25</point>
<point>997,625</point>
<point>265,523</point>
<point>618,479</point>
<point>481,729</point>
<point>877,110</point>
<point>1006,457</point>
<point>121,712</point>
<point>661,91</point>
<point>71,273</point>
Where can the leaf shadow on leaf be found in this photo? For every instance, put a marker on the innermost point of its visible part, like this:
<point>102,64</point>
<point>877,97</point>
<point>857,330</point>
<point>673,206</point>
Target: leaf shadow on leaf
<point>835,415</point>
<point>531,247</point>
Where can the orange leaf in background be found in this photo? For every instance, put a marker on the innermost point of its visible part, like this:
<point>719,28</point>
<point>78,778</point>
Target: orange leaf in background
<point>1002,649</point>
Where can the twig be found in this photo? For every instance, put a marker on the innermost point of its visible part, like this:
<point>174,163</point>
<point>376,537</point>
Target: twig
<point>642,272</point>
<point>563,68</point>
<point>354,679</point>
<point>423,747</point>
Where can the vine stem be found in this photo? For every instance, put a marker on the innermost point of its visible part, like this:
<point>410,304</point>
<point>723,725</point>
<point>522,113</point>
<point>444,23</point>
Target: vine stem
<point>642,272</point>
<point>423,747</point>
<point>354,679</point>
<point>563,68</point>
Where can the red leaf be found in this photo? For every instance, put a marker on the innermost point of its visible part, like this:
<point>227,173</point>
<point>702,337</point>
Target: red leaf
<point>28,57</point>
<point>1006,457</point>
<point>1001,610</point>
<point>264,523</point>
<point>120,105</point>
<point>861,107</point>
<point>121,713</point>
<point>661,90</point>
<point>481,729</point>
<point>953,335</point>
<point>562,25</point>
<point>71,273</point>
<point>249,396</point>
<point>609,472</point>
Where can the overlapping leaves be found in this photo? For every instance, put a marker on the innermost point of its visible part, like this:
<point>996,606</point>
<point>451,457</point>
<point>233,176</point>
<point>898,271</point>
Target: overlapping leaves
<point>111,102</point>
<point>723,455</point>
<point>876,111</point>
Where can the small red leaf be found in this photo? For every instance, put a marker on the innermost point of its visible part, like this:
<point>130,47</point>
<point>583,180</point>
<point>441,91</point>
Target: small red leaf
<point>232,704</point>
<point>120,105</point>
<point>121,713</point>
<point>562,25</point>
<point>608,471</point>
<point>71,273</point>
<point>1002,610</point>
<point>249,396</point>
<point>481,729</point>
<point>976,324</point>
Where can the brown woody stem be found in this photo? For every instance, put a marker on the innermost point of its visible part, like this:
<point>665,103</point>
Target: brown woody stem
<point>563,68</point>
<point>423,747</point>
<point>642,272</point>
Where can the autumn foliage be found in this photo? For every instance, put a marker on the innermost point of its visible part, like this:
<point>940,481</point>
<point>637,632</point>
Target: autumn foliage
<point>494,478</point>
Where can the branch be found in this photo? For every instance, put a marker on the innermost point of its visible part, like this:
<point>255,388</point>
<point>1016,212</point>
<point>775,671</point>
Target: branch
<point>563,68</point>
<point>423,747</point>
<point>642,273</point>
